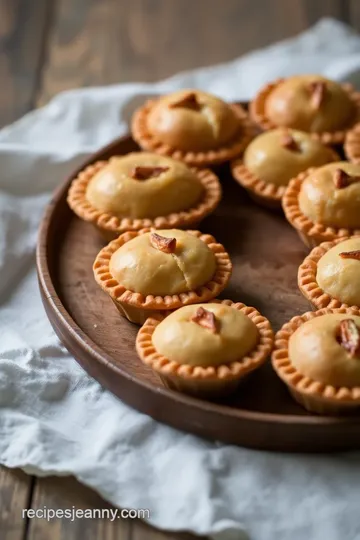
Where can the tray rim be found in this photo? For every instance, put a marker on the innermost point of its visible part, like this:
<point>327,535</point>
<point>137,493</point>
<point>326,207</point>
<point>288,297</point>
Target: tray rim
<point>78,338</point>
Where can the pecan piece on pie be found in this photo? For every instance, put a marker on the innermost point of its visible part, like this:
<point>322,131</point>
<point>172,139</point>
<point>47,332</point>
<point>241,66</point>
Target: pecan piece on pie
<point>206,319</point>
<point>188,101</point>
<point>144,173</point>
<point>288,141</point>
<point>351,254</point>
<point>162,243</point>
<point>342,179</point>
<point>318,93</point>
<point>349,336</point>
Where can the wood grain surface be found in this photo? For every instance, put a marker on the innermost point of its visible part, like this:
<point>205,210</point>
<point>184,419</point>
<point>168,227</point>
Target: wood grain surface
<point>64,493</point>
<point>23,31</point>
<point>50,45</point>
<point>15,495</point>
<point>108,41</point>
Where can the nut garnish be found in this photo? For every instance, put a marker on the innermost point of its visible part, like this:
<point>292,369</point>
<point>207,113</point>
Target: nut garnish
<point>318,93</point>
<point>288,141</point>
<point>342,179</point>
<point>144,173</point>
<point>162,243</point>
<point>349,337</point>
<point>206,319</point>
<point>351,254</point>
<point>188,101</point>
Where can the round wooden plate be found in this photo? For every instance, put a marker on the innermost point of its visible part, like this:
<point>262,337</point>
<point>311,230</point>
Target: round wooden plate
<point>266,253</point>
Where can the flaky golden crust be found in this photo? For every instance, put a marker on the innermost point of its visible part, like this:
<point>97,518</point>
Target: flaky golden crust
<point>197,378</point>
<point>257,112</point>
<point>307,281</point>
<point>267,193</point>
<point>313,395</point>
<point>311,233</point>
<point>109,223</point>
<point>234,148</point>
<point>120,294</point>
<point>352,144</point>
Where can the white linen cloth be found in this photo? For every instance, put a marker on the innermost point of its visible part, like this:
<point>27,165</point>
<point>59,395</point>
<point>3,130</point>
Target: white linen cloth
<point>55,419</point>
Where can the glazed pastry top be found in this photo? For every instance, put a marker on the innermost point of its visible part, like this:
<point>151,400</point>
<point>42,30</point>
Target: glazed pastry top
<point>144,185</point>
<point>317,350</point>
<point>192,120</point>
<point>278,155</point>
<point>142,265</point>
<point>221,335</point>
<point>338,272</point>
<point>327,197</point>
<point>310,103</point>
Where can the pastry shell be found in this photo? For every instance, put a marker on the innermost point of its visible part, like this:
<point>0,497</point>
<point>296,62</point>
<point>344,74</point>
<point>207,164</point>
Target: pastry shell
<point>312,234</point>
<point>257,113</point>
<point>234,148</point>
<point>313,395</point>
<point>352,144</point>
<point>212,381</point>
<point>307,281</point>
<point>264,193</point>
<point>137,307</point>
<point>111,226</point>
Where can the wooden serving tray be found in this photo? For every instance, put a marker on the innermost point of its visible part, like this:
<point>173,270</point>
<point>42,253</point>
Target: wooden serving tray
<point>266,253</point>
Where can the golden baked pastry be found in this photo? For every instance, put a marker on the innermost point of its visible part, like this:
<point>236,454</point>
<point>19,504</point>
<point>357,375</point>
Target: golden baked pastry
<point>206,349</point>
<point>145,267</point>
<point>318,356</point>
<point>352,144</point>
<point>148,271</point>
<point>192,126</point>
<point>323,204</point>
<point>273,158</point>
<point>329,275</point>
<point>310,103</point>
<point>141,190</point>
